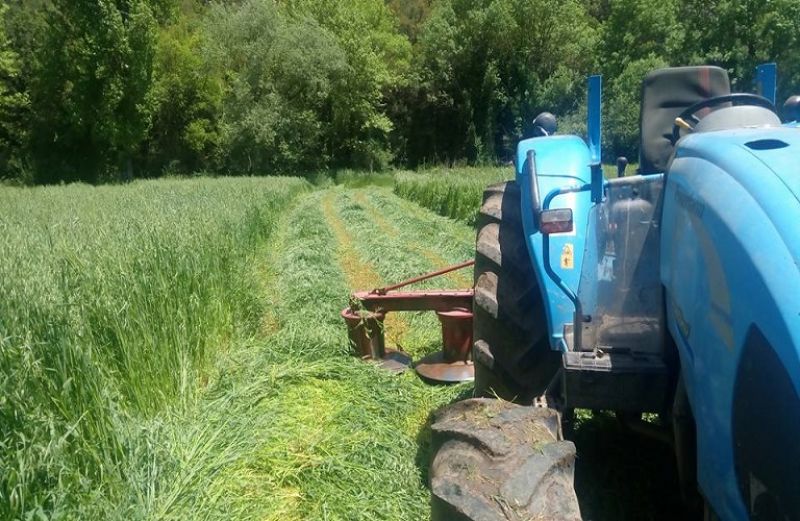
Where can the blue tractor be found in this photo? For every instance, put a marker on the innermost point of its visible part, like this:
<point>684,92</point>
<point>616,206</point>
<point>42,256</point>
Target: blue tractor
<point>675,291</point>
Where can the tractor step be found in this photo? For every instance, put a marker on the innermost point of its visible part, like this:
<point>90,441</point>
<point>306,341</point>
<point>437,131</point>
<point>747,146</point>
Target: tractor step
<point>618,380</point>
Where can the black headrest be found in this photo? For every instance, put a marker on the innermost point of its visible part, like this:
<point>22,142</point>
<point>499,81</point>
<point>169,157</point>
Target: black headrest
<point>665,94</point>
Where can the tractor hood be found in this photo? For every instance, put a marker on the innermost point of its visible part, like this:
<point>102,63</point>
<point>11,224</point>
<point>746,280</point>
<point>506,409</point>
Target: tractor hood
<point>731,268</point>
<point>766,161</point>
<point>751,152</point>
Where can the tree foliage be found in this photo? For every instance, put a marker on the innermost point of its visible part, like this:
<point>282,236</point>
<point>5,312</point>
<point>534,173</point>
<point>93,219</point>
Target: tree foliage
<point>743,34</point>
<point>377,59</point>
<point>280,75</point>
<point>90,87</point>
<point>187,96</point>
<point>487,65</point>
<point>13,103</point>
<point>95,88</point>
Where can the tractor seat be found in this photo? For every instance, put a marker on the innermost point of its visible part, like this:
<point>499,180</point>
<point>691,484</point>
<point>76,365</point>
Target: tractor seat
<point>665,94</point>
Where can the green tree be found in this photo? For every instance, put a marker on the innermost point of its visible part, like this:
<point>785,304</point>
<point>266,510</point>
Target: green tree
<point>622,106</point>
<point>378,60</point>
<point>280,75</point>
<point>13,105</point>
<point>90,88</point>
<point>93,87</point>
<point>637,30</point>
<point>187,93</point>
<point>638,36</point>
<point>410,15</point>
<point>488,66</point>
<point>743,34</point>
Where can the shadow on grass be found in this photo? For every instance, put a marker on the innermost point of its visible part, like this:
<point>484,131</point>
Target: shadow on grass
<point>621,475</point>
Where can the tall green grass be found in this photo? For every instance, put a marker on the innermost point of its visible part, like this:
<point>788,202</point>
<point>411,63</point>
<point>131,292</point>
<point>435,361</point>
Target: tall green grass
<point>457,192</point>
<point>114,301</point>
<point>452,192</point>
<point>361,179</point>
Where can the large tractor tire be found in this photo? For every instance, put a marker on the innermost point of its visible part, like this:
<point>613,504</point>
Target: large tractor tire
<point>497,461</point>
<point>512,356</point>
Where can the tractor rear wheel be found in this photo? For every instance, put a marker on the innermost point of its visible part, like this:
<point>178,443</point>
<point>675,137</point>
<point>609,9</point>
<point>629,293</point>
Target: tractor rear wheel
<point>495,461</point>
<point>511,353</point>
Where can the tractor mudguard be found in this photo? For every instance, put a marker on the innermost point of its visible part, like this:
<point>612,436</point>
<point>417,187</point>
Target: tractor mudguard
<point>561,161</point>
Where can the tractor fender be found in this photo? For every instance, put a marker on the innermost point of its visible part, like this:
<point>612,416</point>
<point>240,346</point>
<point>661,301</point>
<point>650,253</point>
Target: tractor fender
<point>561,161</point>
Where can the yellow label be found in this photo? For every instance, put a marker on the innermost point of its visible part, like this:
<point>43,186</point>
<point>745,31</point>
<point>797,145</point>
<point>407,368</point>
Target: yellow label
<point>567,257</point>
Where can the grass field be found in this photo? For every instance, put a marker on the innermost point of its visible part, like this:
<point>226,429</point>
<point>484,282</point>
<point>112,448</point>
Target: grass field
<point>456,192</point>
<point>117,301</point>
<point>173,350</point>
<point>452,192</point>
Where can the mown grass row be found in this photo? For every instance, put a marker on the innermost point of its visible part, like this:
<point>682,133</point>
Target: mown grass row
<point>452,192</point>
<point>114,302</point>
<point>397,254</point>
<point>358,431</point>
<point>310,431</point>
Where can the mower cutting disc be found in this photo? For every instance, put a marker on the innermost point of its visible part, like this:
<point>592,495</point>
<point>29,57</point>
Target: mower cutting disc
<point>434,368</point>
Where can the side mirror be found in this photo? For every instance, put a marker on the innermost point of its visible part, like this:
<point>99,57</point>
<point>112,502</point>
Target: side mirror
<point>558,220</point>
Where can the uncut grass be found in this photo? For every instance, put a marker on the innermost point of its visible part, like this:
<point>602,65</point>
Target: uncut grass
<point>451,192</point>
<point>360,179</point>
<point>327,436</point>
<point>610,170</point>
<point>115,300</point>
<point>457,192</point>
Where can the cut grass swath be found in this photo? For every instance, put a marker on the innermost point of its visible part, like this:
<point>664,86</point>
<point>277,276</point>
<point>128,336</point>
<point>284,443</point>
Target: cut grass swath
<point>453,241</point>
<point>413,238</point>
<point>395,260</point>
<point>360,275</point>
<point>327,436</point>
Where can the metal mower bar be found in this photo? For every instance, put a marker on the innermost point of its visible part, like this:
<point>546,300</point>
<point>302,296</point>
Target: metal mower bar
<point>365,326</point>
